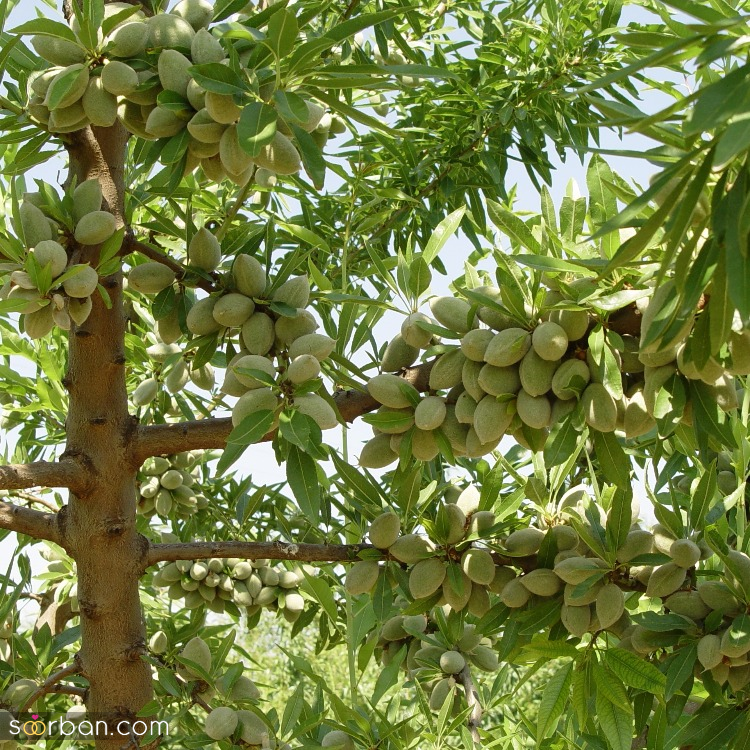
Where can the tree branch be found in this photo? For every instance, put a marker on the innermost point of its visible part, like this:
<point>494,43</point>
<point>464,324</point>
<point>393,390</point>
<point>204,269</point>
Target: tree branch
<point>132,245</point>
<point>50,683</point>
<point>472,698</point>
<point>204,434</point>
<point>256,551</point>
<point>30,522</point>
<point>31,498</point>
<point>286,551</point>
<point>64,473</point>
<point>69,690</point>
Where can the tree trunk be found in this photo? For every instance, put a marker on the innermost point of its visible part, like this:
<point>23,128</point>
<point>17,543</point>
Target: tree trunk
<point>99,528</point>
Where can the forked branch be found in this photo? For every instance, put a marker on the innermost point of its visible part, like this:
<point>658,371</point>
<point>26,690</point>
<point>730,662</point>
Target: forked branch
<point>33,523</point>
<point>51,684</point>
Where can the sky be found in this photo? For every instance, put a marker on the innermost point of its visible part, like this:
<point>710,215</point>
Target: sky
<point>260,461</point>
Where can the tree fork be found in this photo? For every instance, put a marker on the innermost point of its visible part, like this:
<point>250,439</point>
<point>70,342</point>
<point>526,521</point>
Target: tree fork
<point>100,531</point>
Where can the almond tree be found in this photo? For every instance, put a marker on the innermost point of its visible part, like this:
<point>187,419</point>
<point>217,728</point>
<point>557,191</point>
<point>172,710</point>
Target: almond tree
<point>490,524</point>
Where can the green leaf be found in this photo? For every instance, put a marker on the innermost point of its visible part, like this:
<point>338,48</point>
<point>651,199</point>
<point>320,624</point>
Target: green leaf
<point>46,27</point>
<point>554,699</point>
<point>718,101</point>
<point>562,442</point>
<point>388,676</point>
<point>62,86</point>
<point>602,202</point>
<point>302,475</point>
<point>321,589</point>
<point>252,428</point>
<point>619,518</point>
<point>256,127</point>
<point>420,276</point>
<point>613,462</point>
<point>282,32</point>
<point>312,156</point>
<point>616,723</point>
<point>710,729</point>
<point>634,671</point>
<point>703,497</point>
<point>218,78</point>
<point>442,233</point>
<point>361,22</point>
<point>301,430</point>
<point>679,669</point>
<point>508,223</point>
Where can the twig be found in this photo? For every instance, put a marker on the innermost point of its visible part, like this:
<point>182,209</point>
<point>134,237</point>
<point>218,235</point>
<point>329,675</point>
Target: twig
<point>472,698</point>
<point>31,498</point>
<point>47,686</point>
<point>234,210</point>
<point>33,523</point>
<point>132,245</point>
<point>69,690</point>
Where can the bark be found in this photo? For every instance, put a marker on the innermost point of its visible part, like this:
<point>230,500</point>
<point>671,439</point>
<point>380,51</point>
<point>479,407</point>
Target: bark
<point>66,473</point>
<point>30,522</point>
<point>100,531</point>
<point>287,551</point>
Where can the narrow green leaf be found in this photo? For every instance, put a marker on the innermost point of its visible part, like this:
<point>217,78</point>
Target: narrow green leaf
<point>282,31</point>
<point>554,698</point>
<point>442,233</point>
<point>256,127</point>
<point>634,671</point>
<point>302,475</point>
<point>615,722</point>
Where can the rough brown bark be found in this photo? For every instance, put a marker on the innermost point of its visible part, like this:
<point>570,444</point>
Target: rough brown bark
<point>30,522</point>
<point>66,473</point>
<point>100,532</point>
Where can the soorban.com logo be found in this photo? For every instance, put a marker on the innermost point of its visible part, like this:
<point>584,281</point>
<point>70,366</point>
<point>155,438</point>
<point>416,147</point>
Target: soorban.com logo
<point>34,728</point>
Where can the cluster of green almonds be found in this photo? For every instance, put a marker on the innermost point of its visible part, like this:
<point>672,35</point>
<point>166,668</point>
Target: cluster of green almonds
<point>280,353</point>
<point>167,486</point>
<point>232,686</point>
<point>251,585</point>
<point>446,569</point>
<point>507,379</point>
<point>597,595</point>
<point>726,477</point>
<point>142,75</point>
<point>173,370</point>
<point>431,659</point>
<point>707,604</point>
<point>57,292</point>
<point>60,583</point>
